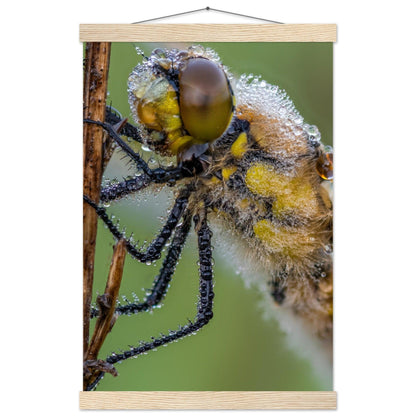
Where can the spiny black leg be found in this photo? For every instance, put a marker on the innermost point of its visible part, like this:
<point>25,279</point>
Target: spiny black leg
<point>160,175</point>
<point>155,248</point>
<point>204,313</point>
<point>206,296</point>
<point>161,282</point>
<point>120,189</point>
<point>124,146</point>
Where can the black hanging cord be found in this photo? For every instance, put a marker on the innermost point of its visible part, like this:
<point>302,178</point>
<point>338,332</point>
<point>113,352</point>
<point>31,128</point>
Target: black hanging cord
<point>208,9</point>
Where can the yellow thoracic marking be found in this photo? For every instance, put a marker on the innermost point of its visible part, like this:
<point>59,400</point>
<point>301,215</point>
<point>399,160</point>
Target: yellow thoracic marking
<point>292,242</point>
<point>262,180</point>
<point>298,197</point>
<point>228,171</point>
<point>289,194</point>
<point>269,235</point>
<point>239,147</point>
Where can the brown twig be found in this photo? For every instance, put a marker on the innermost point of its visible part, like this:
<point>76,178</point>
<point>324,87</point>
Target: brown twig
<point>106,319</point>
<point>97,59</point>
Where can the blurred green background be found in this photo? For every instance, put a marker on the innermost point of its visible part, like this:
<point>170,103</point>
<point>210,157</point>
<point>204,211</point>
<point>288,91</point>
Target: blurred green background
<point>238,349</point>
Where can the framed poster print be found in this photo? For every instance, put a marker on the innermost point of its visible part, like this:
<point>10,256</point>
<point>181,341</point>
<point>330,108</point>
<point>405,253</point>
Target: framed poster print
<point>208,143</point>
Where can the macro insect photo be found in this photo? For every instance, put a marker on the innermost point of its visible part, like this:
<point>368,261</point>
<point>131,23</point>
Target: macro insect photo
<point>221,182</point>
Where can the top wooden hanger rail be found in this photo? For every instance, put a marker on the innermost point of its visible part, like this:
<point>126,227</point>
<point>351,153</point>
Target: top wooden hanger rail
<point>208,32</point>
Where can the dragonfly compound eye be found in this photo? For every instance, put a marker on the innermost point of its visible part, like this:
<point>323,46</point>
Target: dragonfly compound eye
<point>206,100</point>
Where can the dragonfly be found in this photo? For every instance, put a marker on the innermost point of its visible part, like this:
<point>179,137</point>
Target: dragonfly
<point>239,159</point>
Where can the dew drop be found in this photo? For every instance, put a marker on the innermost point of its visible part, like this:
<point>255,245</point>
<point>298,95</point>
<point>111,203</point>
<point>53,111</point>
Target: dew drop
<point>152,163</point>
<point>196,49</point>
<point>145,148</point>
<point>324,166</point>
<point>139,51</point>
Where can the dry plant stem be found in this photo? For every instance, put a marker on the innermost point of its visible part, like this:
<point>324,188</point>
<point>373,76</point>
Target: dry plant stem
<point>97,58</point>
<point>107,304</point>
<point>107,301</point>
